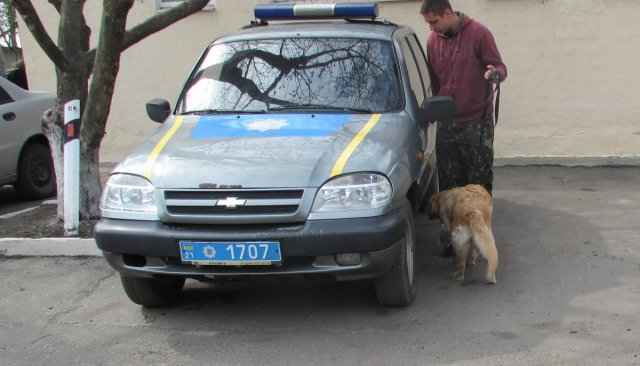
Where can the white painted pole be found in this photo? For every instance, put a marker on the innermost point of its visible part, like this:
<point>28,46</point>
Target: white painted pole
<point>71,168</point>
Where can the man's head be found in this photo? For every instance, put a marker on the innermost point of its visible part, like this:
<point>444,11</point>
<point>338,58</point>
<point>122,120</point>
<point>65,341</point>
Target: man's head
<point>439,15</point>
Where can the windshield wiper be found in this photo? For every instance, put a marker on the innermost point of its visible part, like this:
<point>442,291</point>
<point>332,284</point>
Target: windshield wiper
<point>222,111</point>
<point>319,106</point>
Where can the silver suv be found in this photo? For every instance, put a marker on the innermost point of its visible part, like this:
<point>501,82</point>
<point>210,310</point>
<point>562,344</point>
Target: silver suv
<point>298,148</point>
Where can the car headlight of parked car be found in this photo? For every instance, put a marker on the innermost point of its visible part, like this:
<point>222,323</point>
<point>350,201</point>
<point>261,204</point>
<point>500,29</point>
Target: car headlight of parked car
<point>131,195</point>
<point>353,192</point>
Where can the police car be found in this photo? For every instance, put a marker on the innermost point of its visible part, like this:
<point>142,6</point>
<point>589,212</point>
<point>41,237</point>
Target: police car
<point>302,146</point>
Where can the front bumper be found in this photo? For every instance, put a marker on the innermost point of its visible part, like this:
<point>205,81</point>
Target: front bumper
<point>150,248</point>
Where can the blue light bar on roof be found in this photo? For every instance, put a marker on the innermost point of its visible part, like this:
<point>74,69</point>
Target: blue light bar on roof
<point>317,11</point>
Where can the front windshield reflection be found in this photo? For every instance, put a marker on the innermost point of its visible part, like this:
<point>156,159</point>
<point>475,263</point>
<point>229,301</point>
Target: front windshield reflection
<point>257,75</point>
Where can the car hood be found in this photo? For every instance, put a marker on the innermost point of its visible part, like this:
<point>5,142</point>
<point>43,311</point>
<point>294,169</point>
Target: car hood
<point>267,150</point>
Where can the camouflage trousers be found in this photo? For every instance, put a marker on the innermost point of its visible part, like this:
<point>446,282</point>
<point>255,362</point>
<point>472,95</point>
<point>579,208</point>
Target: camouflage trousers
<point>465,153</point>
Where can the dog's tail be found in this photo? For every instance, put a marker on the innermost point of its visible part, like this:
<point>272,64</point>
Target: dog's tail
<point>483,240</point>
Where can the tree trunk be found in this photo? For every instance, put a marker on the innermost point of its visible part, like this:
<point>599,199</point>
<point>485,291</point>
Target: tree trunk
<point>70,86</point>
<point>74,64</point>
<point>90,182</point>
<point>72,76</point>
<point>53,131</point>
<point>107,64</point>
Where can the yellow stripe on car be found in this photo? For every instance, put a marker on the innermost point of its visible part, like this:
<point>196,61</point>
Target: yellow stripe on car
<point>148,166</point>
<point>346,154</point>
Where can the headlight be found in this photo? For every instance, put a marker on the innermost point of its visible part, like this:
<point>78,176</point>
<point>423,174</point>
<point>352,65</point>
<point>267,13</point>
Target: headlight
<point>360,191</point>
<point>128,193</point>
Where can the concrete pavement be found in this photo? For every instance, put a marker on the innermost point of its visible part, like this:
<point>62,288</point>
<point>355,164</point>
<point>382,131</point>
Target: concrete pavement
<point>567,294</point>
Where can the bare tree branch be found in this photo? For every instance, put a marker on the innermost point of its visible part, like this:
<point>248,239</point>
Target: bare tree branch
<point>154,24</point>
<point>107,64</point>
<point>161,20</point>
<point>57,4</point>
<point>73,32</point>
<point>33,22</point>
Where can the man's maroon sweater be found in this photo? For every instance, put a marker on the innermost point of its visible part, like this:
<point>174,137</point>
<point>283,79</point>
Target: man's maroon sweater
<point>457,63</point>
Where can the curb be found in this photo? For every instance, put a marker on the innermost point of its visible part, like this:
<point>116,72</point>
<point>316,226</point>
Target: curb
<point>49,247</point>
<point>568,161</point>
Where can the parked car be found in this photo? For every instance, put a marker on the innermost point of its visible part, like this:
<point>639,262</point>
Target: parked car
<point>296,148</point>
<point>25,157</point>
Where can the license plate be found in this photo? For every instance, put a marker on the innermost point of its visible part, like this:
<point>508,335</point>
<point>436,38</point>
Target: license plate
<point>230,253</point>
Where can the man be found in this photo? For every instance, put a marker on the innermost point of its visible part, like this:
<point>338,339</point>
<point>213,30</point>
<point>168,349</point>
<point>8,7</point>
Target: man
<point>462,56</point>
<point>462,59</point>
<point>17,75</point>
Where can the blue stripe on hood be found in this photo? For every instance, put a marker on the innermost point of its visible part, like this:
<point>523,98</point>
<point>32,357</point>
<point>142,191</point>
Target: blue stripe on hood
<point>268,125</point>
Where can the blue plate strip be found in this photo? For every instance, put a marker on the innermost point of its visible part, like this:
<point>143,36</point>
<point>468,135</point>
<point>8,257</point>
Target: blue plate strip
<point>268,125</point>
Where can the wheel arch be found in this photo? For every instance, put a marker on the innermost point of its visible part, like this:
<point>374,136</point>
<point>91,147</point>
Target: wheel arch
<point>414,196</point>
<point>419,192</point>
<point>35,139</point>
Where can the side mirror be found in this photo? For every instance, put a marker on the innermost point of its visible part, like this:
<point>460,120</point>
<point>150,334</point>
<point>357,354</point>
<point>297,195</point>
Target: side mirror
<point>438,108</point>
<point>158,110</point>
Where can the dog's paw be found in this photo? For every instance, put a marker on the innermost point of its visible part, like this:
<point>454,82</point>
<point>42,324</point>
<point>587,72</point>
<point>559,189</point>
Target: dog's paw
<point>491,280</point>
<point>458,276</point>
<point>444,239</point>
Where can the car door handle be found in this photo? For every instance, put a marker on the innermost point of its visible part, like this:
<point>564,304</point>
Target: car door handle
<point>9,116</point>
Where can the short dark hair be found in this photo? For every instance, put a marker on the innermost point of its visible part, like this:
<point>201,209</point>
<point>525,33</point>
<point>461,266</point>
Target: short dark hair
<point>435,6</point>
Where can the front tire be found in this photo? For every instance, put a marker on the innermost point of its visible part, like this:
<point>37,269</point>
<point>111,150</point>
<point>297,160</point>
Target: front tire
<point>397,287</point>
<point>36,176</point>
<point>152,292</point>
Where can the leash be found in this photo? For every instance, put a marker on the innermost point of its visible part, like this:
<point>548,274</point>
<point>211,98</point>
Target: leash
<point>488,93</point>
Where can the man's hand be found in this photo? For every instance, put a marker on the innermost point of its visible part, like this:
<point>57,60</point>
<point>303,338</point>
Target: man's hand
<point>492,73</point>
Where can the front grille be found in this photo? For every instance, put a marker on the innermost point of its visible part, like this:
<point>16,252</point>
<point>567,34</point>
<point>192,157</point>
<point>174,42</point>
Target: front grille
<point>217,203</point>
<point>240,210</point>
<point>245,195</point>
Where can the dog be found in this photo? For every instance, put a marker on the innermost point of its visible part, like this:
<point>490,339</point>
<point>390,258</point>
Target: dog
<point>465,212</point>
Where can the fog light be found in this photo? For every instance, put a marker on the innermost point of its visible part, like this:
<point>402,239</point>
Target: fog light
<point>348,259</point>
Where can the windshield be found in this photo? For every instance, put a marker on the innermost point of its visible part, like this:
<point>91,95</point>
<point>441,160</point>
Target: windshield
<point>261,75</point>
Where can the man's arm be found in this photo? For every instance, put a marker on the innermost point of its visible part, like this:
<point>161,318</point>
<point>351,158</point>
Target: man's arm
<point>490,56</point>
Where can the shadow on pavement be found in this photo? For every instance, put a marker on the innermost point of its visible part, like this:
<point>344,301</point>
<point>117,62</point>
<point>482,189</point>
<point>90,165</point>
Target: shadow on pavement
<point>552,263</point>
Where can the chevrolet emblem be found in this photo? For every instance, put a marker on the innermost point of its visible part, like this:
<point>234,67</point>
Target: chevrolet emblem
<point>231,202</point>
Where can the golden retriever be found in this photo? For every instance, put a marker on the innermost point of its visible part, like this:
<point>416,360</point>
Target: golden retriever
<point>465,212</point>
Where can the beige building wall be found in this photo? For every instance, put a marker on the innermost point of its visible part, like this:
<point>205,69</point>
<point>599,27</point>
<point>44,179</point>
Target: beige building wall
<point>573,88</point>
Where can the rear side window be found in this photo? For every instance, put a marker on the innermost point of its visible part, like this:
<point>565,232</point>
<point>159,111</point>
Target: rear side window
<point>415,80</point>
<point>4,97</point>
<point>262,74</point>
<point>421,60</point>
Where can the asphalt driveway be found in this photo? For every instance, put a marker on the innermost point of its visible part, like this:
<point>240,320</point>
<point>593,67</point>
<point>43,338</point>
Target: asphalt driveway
<point>567,294</point>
